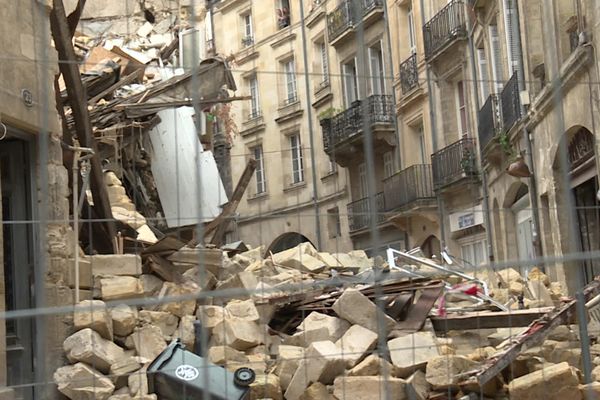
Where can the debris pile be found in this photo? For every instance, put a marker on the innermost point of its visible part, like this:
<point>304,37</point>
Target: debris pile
<point>315,325</point>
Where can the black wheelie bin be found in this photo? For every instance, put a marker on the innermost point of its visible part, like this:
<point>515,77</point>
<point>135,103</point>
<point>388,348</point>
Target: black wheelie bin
<point>178,374</point>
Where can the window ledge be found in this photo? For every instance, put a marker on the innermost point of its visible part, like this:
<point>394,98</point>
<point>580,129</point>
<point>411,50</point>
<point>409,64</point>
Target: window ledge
<point>294,186</point>
<point>258,196</point>
<point>329,175</point>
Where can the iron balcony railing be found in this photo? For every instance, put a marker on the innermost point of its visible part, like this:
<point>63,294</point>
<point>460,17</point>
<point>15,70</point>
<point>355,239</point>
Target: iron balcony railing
<point>445,26</point>
<point>409,74</point>
<point>510,102</point>
<point>407,186</point>
<point>343,16</point>
<point>454,162</point>
<point>349,123</point>
<point>359,212</point>
<point>489,120</point>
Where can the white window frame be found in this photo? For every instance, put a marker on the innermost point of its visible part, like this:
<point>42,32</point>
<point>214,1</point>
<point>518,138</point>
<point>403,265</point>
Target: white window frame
<point>291,90</point>
<point>356,92</point>
<point>297,159</point>
<point>377,81</point>
<point>261,179</point>
<point>412,38</point>
<point>509,15</point>
<point>324,62</point>
<point>484,76</point>
<point>469,244</point>
<point>422,145</point>
<point>388,164</point>
<point>248,28</point>
<point>463,126</point>
<point>255,97</point>
<point>496,58</point>
<point>362,180</point>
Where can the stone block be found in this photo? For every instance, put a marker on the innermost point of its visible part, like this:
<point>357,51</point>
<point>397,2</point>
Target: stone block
<point>81,382</point>
<point>412,352</point>
<point>128,217</point>
<point>185,331</point>
<point>417,387</point>
<point>210,316</point>
<point>111,288</point>
<point>242,280</point>
<point>148,341</point>
<point>93,314</point>
<point>243,309</point>
<point>316,320</point>
<point>329,260</point>
<point>201,277</point>
<point>288,359</point>
<point>211,259</point>
<point>238,333</point>
<point>355,343</point>
<point>356,308</point>
<point>590,391</point>
<point>322,364</point>
<point>369,387</point>
<point>167,322</point>
<point>443,372</point>
<point>138,383</point>
<point>508,275</point>
<point>150,284</point>
<point>220,355</point>
<point>317,391</point>
<point>305,338</point>
<point>373,365</point>
<point>179,308</point>
<point>556,382</point>
<point>537,275</point>
<point>124,319</point>
<point>116,264</point>
<point>121,370</point>
<point>89,347</point>
<point>540,292</point>
<point>266,387</point>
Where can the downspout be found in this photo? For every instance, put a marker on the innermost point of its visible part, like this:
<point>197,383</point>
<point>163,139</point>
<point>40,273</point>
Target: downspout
<point>485,200</point>
<point>533,192</point>
<point>440,202</point>
<point>313,163</point>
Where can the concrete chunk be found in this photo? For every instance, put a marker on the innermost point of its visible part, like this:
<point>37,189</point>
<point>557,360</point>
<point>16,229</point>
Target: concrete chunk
<point>369,387</point>
<point>355,343</point>
<point>124,319</point>
<point>116,264</point>
<point>556,382</point>
<point>411,352</point>
<point>79,381</point>
<point>356,308</point>
<point>89,347</point>
<point>93,314</point>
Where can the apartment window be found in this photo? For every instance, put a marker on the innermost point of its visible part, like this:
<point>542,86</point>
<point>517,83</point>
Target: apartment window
<point>474,251</point>
<point>290,82</point>
<point>512,35</point>
<point>333,222</point>
<point>496,58</point>
<point>283,13</point>
<point>248,38</point>
<point>377,83</point>
<point>484,89</point>
<point>388,164</point>
<point>461,108</point>
<point>422,151</point>
<point>324,62</point>
<point>261,181</point>
<point>332,167</point>
<point>350,82</point>
<point>362,181</point>
<point>412,38</point>
<point>254,97</point>
<point>297,161</point>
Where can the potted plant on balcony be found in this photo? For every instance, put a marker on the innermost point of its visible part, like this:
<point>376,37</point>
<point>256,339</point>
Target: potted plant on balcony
<point>516,162</point>
<point>326,115</point>
<point>467,162</point>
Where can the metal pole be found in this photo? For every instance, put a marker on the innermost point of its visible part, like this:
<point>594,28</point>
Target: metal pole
<point>309,111</point>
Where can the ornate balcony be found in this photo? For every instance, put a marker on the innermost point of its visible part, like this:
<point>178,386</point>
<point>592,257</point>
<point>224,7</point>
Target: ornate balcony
<point>408,188</point>
<point>447,26</point>
<point>343,133</point>
<point>454,163</point>
<point>359,213</point>
<point>342,20</point>
<point>511,103</point>
<point>409,74</point>
<point>489,120</point>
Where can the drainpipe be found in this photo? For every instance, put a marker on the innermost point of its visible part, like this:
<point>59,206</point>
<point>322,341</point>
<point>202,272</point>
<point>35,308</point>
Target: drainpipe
<point>533,192</point>
<point>440,201</point>
<point>311,135</point>
<point>485,200</point>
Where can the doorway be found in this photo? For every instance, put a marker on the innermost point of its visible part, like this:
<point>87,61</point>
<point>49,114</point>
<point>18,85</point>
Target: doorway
<point>17,235</point>
<point>588,220</point>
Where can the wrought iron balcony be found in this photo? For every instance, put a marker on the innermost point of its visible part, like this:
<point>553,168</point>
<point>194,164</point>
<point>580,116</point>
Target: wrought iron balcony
<point>409,74</point>
<point>408,187</point>
<point>349,123</point>
<point>344,18</point>
<point>511,103</point>
<point>454,162</point>
<point>489,120</point>
<point>360,215</point>
<point>446,26</point>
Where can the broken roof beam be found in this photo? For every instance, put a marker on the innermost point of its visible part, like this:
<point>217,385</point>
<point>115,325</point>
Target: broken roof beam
<point>69,68</point>
<point>534,335</point>
<point>122,82</point>
<point>488,320</point>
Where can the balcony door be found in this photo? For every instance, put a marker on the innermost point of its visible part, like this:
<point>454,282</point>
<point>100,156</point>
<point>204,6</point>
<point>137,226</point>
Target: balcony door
<point>350,80</point>
<point>376,69</point>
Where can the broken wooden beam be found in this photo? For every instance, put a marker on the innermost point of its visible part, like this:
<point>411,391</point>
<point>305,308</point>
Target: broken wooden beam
<point>69,68</point>
<point>122,82</point>
<point>533,336</point>
<point>488,320</point>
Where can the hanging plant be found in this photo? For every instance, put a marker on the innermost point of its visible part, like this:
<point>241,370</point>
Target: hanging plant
<point>507,147</point>
<point>467,163</point>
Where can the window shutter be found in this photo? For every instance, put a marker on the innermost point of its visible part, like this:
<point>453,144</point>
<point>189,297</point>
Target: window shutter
<point>497,74</point>
<point>513,41</point>
<point>484,77</point>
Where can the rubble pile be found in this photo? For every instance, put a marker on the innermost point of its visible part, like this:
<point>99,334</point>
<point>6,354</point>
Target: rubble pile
<point>306,322</point>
